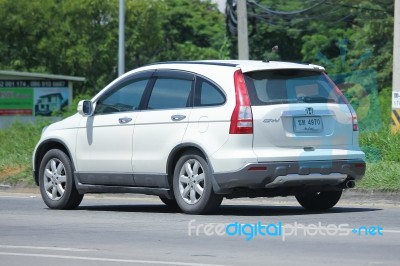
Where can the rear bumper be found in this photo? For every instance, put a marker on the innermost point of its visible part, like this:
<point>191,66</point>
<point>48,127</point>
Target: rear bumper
<point>291,174</point>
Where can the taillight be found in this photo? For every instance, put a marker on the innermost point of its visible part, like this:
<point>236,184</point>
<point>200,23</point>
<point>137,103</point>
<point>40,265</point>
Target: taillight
<point>344,99</point>
<point>353,113</point>
<point>355,122</point>
<point>242,117</point>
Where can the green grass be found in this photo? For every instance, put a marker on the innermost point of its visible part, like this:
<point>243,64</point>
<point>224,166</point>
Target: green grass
<point>17,143</point>
<point>16,146</point>
<point>382,175</point>
<point>383,159</point>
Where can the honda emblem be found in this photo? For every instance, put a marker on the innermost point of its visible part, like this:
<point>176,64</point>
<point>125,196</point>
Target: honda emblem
<point>309,111</point>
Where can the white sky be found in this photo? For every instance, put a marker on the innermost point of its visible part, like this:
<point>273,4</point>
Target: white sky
<point>221,5</point>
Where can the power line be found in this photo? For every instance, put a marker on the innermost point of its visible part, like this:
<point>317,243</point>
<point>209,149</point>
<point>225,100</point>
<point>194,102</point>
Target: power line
<point>317,11</point>
<point>285,13</point>
<point>357,7</point>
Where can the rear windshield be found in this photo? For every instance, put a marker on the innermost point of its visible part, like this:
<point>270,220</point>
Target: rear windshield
<point>291,86</point>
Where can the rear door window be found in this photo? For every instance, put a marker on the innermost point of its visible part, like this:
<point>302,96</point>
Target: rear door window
<point>291,86</point>
<point>170,93</point>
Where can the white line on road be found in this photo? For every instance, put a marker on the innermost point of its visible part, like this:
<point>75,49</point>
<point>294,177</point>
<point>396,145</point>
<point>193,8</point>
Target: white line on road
<point>106,259</point>
<point>46,248</point>
<point>19,197</point>
<point>391,231</point>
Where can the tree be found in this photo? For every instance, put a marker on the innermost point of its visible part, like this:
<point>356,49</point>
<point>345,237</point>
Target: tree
<point>343,35</point>
<point>80,38</point>
<point>193,29</point>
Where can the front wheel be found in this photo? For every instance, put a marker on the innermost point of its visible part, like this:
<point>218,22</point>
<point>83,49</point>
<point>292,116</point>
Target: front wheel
<point>56,181</point>
<point>192,185</point>
<point>319,200</point>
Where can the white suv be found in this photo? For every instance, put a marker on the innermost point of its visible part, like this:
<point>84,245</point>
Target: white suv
<point>195,132</point>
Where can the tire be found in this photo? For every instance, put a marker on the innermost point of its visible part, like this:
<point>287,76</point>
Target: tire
<point>56,181</point>
<point>319,200</point>
<point>169,202</point>
<point>192,185</point>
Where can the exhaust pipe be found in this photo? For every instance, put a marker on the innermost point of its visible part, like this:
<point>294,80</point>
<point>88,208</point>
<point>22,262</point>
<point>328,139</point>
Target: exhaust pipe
<point>350,184</point>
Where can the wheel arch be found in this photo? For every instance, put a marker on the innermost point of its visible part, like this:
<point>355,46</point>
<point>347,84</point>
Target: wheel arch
<point>43,148</point>
<point>177,152</point>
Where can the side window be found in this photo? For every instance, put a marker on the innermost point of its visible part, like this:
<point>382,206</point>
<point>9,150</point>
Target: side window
<point>126,98</point>
<point>208,94</point>
<point>169,93</point>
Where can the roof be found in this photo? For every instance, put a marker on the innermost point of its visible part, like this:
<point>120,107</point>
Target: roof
<point>247,65</point>
<point>18,74</point>
<point>252,65</point>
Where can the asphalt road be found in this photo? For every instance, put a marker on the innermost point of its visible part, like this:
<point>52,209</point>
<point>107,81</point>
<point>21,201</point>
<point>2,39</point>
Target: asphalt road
<point>132,230</point>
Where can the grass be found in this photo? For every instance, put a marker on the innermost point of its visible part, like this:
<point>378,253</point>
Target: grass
<point>383,159</point>
<point>17,143</point>
<point>381,175</point>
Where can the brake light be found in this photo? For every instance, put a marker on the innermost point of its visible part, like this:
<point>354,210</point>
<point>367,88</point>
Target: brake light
<point>242,116</point>
<point>355,122</point>
<point>360,165</point>
<point>341,96</point>
<point>353,113</point>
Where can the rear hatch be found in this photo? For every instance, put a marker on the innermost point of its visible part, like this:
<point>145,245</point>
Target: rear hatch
<point>298,108</point>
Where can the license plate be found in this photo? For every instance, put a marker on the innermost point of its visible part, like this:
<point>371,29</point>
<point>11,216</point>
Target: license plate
<point>307,124</point>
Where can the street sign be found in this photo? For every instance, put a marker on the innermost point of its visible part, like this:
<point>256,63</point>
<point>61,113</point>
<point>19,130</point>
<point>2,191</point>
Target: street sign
<point>395,100</point>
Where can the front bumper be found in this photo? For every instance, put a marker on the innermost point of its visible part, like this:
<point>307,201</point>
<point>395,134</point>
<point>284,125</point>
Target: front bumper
<point>291,174</point>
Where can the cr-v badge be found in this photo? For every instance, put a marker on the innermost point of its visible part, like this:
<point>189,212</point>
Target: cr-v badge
<point>271,120</point>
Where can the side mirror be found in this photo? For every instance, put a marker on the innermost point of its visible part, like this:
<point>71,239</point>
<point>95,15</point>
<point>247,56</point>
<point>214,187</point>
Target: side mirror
<point>85,108</point>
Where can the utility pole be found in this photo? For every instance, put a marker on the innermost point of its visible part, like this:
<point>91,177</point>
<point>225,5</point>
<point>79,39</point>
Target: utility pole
<point>396,68</point>
<point>243,37</point>
<point>121,38</point>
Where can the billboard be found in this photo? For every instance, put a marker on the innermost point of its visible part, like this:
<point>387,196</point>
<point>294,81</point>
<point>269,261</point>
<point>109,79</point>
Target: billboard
<point>33,97</point>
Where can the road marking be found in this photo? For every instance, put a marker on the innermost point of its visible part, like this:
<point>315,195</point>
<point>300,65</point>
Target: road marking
<point>107,259</point>
<point>391,231</point>
<point>46,248</point>
<point>18,197</point>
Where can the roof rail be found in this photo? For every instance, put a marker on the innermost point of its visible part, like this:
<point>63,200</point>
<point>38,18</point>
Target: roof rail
<point>214,63</point>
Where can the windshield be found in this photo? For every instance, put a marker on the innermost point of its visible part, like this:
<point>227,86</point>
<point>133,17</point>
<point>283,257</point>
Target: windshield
<point>291,86</point>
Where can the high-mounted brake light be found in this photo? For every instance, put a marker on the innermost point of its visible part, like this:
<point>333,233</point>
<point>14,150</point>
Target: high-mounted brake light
<point>242,116</point>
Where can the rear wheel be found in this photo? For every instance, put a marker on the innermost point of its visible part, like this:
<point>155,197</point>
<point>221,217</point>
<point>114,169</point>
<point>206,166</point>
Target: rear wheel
<point>319,200</point>
<point>56,181</point>
<point>192,185</point>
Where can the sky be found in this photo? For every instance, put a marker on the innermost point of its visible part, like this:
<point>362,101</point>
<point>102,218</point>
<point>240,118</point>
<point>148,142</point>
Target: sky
<point>221,5</point>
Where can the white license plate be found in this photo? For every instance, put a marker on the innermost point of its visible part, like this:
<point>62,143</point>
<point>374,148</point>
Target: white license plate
<point>307,124</point>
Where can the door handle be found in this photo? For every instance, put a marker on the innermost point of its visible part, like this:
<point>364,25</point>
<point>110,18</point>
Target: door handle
<point>178,117</point>
<point>124,120</point>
